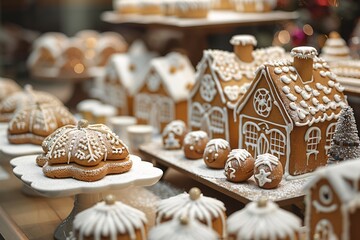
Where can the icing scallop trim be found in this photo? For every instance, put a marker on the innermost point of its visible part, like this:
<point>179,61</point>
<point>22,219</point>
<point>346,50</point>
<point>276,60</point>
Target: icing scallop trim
<point>304,52</point>
<point>243,40</point>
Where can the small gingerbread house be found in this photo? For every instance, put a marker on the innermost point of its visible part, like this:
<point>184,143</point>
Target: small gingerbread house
<point>222,78</point>
<point>162,96</point>
<point>333,202</point>
<point>123,75</point>
<point>290,111</point>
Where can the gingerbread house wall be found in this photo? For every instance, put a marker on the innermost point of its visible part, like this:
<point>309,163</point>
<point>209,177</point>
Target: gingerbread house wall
<point>302,158</point>
<point>269,126</point>
<point>152,103</point>
<point>324,213</point>
<point>354,231</point>
<point>208,107</point>
<point>116,95</point>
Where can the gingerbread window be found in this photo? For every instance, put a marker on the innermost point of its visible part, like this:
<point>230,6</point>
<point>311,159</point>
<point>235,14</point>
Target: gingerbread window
<point>250,131</point>
<point>217,120</point>
<point>312,137</point>
<point>277,143</point>
<point>142,106</point>
<point>196,115</point>
<point>166,110</point>
<point>330,131</point>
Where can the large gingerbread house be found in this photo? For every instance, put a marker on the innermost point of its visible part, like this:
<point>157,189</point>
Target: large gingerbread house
<point>222,78</point>
<point>290,111</point>
<point>123,75</point>
<point>333,202</point>
<point>162,96</point>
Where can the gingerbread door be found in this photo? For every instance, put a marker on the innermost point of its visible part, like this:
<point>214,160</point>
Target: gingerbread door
<point>324,231</point>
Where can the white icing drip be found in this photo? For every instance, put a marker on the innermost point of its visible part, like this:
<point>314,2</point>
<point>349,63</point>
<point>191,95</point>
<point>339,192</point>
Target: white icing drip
<point>293,106</point>
<point>304,52</point>
<point>238,154</point>
<point>286,89</point>
<point>305,95</point>
<point>105,220</point>
<point>331,83</point>
<point>266,159</point>
<point>339,87</point>
<point>314,101</point>
<point>218,143</point>
<point>285,79</point>
<point>203,209</point>
<point>243,40</point>
<point>292,69</point>
<point>291,97</point>
<point>293,77</point>
<point>304,104</point>
<point>322,73</point>
<point>268,222</point>
<point>277,70</point>
<point>315,92</point>
<point>285,69</point>
<point>175,230</point>
<point>308,88</point>
<point>326,99</point>
<point>298,89</point>
<point>193,137</point>
<point>327,91</point>
<point>337,98</point>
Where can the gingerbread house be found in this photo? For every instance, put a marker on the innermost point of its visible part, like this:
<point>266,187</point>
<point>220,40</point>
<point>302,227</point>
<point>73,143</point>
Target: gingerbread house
<point>290,111</point>
<point>162,96</point>
<point>335,48</point>
<point>222,78</point>
<point>123,75</point>
<point>333,202</point>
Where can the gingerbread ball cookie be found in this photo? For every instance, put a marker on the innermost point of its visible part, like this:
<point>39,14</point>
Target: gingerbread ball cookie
<point>174,134</point>
<point>194,144</point>
<point>216,152</point>
<point>268,171</point>
<point>239,166</point>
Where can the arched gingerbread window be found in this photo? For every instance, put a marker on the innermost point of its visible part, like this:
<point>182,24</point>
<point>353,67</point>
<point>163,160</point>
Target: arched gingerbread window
<point>142,106</point>
<point>166,109</point>
<point>277,142</point>
<point>195,115</point>
<point>330,131</point>
<point>250,131</point>
<point>312,138</point>
<point>217,120</point>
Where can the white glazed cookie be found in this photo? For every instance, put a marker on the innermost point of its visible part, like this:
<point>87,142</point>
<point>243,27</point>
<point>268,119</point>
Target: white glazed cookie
<point>194,144</point>
<point>216,152</point>
<point>239,165</point>
<point>268,171</point>
<point>208,211</point>
<point>173,134</point>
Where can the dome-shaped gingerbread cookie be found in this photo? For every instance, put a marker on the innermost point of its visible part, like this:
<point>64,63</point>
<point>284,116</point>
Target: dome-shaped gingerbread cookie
<point>173,135</point>
<point>268,171</point>
<point>22,98</point>
<point>206,210</point>
<point>84,152</point>
<point>263,220</point>
<point>216,152</point>
<point>110,220</point>
<point>182,228</point>
<point>8,87</point>
<point>33,123</point>
<point>194,144</point>
<point>239,166</point>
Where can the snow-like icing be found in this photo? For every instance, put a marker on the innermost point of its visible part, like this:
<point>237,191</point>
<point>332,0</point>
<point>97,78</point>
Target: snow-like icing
<point>178,229</point>
<point>110,220</point>
<point>263,222</point>
<point>304,52</point>
<point>266,159</point>
<point>239,154</point>
<point>87,105</point>
<point>243,40</point>
<point>204,209</point>
<point>194,136</point>
<point>176,126</point>
<point>218,143</point>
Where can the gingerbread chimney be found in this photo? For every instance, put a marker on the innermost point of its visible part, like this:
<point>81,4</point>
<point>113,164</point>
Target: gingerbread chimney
<point>243,47</point>
<point>303,61</point>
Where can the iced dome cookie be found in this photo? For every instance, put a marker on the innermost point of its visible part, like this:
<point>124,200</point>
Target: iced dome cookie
<point>268,171</point>
<point>110,220</point>
<point>208,211</point>
<point>33,123</point>
<point>239,166</point>
<point>216,152</point>
<point>84,152</point>
<point>174,134</point>
<point>194,144</point>
<point>182,228</point>
<point>263,220</point>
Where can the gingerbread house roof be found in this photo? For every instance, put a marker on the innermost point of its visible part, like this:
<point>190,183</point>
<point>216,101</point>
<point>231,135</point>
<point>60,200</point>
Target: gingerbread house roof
<point>229,71</point>
<point>129,69</point>
<point>176,82</point>
<point>343,177</point>
<point>317,100</point>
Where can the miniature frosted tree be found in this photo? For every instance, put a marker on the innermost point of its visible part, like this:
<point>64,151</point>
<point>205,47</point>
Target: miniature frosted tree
<point>345,144</point>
